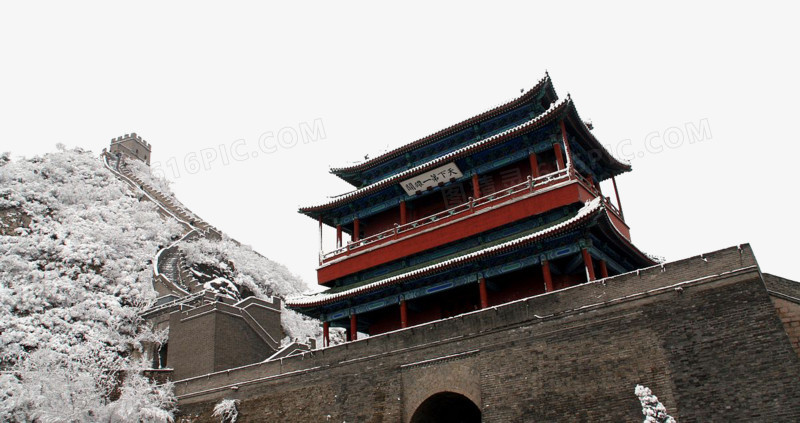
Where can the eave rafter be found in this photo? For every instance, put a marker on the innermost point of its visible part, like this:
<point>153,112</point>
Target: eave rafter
<point>555,111</point>
<point>544,88</point>
<point>564,109</point>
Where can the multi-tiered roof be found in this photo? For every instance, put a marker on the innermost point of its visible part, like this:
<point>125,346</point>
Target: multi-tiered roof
<point>509,200</point>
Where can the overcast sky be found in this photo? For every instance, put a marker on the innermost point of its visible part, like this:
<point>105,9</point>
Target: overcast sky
<point>220,91</point>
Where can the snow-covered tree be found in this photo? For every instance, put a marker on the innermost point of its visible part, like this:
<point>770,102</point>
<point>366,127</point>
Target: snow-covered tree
<point>253,273</point>
<point>141,400</point>
<point>227,410</point>
<point>47,386</point>
<point>653,410</point>
<point>73,280</point>
<point>143,171</point>
<point>245,267</point>
<point>75,273</point>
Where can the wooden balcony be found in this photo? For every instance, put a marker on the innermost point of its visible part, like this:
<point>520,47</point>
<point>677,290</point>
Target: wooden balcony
<point>529,198</point>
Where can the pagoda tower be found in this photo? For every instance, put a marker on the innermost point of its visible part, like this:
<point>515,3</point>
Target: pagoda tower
<point>502,206</point>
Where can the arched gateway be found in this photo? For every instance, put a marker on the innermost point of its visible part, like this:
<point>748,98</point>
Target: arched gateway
<point>447,407</point>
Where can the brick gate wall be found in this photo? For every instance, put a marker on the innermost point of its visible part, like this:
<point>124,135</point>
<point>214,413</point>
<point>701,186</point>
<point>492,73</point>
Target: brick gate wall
<point>701,333</point>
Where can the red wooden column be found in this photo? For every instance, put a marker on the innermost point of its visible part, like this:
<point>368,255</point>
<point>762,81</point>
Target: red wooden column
<point>338,236</point>
<point>476,188</point>
<point>403,215</point>
<point>616,192</point>
<point>353,327</point>
<point>326,339</point>
<point>483,293</point>
<point>355,229</point>
<point>587,260</point>
<point>548,279</point>
<point>534,165</point>
<point>403,314</point>
<point>603,269</point>
<point>559,156</point>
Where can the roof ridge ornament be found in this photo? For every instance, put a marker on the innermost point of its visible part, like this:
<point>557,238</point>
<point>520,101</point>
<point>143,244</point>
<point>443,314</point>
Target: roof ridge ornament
<point>541,84</point>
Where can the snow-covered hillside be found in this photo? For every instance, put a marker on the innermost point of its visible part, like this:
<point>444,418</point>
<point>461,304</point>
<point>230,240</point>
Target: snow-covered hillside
<point>76,251</point>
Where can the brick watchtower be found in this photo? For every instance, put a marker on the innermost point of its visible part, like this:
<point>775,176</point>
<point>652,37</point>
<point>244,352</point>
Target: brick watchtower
<point>502,206</point>
<point>132,146</point>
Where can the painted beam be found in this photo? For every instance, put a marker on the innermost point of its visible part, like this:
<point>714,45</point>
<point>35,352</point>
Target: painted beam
<point>454,282</point>
<point>469,225</point>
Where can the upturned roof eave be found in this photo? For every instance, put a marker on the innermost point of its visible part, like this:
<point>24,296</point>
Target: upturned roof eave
<point>600,213</point>
<point>579,125</point>
<point>564,109</point>
<point>557,229</point>
<point>555,112</point>
<point>544,84</point>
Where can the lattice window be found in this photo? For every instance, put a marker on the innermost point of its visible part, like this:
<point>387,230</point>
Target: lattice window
<point>510,177</point>
<point>486,184</point>
<point>454,195</point>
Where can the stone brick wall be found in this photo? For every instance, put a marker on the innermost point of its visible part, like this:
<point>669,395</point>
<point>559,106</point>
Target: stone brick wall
<point>785,296</point>
<point>191,344</point>
<point>702,333</point>
<point>133,146</point>
<point>789,312</point>
<point>219,336</point>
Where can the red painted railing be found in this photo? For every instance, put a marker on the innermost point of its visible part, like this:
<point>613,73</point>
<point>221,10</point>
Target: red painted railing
<point>473,205</point>
<point>594,190</point>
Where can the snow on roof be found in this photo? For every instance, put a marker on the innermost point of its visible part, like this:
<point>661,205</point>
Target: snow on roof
<point>359,165</point>
<point>322,298</point>
<point>439,160</point>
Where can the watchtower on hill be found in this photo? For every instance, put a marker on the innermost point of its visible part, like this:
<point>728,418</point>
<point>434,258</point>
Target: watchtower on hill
<point>133,146</point>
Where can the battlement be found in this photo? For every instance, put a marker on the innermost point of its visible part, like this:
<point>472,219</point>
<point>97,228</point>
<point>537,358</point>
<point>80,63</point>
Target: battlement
<point>131,137</point>
<point>664,326</point>
<point>269,303</point>
<point>213,333</point>
<point>131,145</point>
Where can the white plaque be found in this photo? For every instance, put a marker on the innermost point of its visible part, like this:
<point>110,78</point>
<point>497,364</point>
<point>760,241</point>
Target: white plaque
<point>431,178</point>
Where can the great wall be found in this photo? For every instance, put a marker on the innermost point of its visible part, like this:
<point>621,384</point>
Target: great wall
<point>182,294</point>
<point>706,333</point>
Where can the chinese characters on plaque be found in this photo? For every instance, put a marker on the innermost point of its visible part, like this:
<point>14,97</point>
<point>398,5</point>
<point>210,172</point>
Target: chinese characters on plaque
<point>431,178</point>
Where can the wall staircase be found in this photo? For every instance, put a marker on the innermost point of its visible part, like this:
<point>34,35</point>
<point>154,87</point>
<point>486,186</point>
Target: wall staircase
<point>181,291</point>
<point>171,275</point>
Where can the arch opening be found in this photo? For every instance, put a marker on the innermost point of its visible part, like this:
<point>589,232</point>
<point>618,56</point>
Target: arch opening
<point>447,407</point>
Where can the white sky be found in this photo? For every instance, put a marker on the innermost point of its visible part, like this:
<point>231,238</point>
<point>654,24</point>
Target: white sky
<point>191,77</point>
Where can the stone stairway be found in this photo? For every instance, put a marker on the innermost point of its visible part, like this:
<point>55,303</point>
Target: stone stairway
<point>168,265</point>
<point>180,290</point>
<point>171,272</point>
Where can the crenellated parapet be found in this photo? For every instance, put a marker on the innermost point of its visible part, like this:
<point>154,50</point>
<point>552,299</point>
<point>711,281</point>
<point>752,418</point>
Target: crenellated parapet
<point>708,318</point>
<point>131,145</point>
